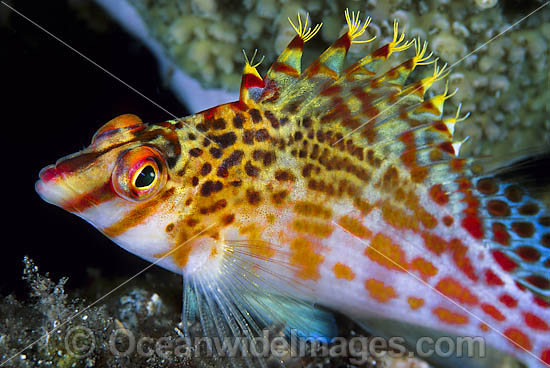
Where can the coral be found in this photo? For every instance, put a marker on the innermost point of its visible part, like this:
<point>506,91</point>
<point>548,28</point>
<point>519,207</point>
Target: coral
<point>56,329</point>
<point>504,83</point>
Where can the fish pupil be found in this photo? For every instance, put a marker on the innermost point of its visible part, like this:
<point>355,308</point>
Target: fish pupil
<point>145,177</point>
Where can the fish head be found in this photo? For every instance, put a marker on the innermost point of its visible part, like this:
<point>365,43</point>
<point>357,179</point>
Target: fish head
<point>123,185</point>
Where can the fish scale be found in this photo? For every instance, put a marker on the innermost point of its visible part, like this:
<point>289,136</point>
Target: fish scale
<point>334,187</point>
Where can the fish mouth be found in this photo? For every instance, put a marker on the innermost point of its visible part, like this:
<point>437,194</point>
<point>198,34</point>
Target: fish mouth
<point>51,187</point>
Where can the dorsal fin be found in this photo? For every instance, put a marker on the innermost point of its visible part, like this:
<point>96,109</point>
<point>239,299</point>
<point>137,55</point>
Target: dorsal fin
<point>331,61</point>
<point>287,69</point>
<point>252,83</point>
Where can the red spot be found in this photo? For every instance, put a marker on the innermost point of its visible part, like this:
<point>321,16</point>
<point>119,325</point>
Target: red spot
<point>508,301</point>
<point>331,91</point>
<point>518,337</point>
<point>438,195</point>
<point>492,279</point>
<point>541,302</point>
<point>209,114</point>
<point>240,105</point>
<point>296,43</point>
<point>343,42</point>
<point>493,312</point>
<point>285,69</point>
<point>382,52</point>
<point>500,235</point>
<point>250,80</point>
<point>448,220</point>
<point>502,259</point>
<point>545,356</point>
<point>473,225</point>
<point>447,147</point>
<point>535,322</point>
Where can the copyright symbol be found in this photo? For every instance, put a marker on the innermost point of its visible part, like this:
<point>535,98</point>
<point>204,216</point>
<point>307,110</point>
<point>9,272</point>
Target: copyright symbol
<point>79,342</point>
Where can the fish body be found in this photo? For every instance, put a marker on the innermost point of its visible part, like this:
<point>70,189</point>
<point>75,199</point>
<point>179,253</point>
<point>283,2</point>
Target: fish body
<point>331,186</point>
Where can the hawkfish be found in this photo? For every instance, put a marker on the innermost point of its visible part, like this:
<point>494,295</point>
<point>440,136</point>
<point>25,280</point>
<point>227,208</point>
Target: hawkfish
<point>329,189</point>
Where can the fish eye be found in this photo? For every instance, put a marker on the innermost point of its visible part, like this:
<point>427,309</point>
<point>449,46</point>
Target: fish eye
<point>145,177</point>
<point>139,173</point>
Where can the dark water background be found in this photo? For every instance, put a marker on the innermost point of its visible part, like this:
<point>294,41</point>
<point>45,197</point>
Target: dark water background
<point>52,101</point>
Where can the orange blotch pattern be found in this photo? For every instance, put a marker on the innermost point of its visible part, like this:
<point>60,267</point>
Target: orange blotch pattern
<point>415,303</point>
<point>492,311</point>
<point>454,290</point>
<point>306,258</point>
<point>434,243</point>
<point>518,337</point>
<point>342,271</point>
<point>426,268</point>
<point>257,246</point>
<point>385,252</point>
<point>438,195</point>
<point>461,259</point>
<point>448,316</point>
<point>354,227</point>
<point>380,291</point>
<point>535,322</point>
<point>314,228</point>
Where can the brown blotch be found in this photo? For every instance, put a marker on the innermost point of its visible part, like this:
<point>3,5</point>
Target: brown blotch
<point>248,136</point>
<point>272,119</point>
<point>544,221</point>
<point>255,115</point>
<point>283,175</point>
<point>215,152</point>
<point>228,219</point>
<point>192,222</point>
<point>523,229</point>
<point>194,181</point>
<point>513,193</point>
<point>487,186</point>
<point>269,157</point>
<point>207,188</point>
<point>253,197</point>
<point>224,140</point>
<point>545,240</point>
<point>232,160</point>
<point>262,135</point>
<point>206,168</point>
<point>279,197</point>
<point>498,208</point>
<point>251,170</point>
<point>195,152</point>
<point>169,227</point>
<point>539,282</point>
<point>238,121</point>
<point>529,209</point>
<point>219,124</point>
<point>528,254</point>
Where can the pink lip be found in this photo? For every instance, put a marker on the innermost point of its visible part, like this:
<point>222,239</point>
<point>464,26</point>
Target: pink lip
<point>48,173</point>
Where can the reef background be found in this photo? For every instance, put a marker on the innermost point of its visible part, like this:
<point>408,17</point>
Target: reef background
<point>54,101</point>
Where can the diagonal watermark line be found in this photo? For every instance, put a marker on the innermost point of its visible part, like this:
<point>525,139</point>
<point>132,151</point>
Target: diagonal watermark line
<point>448,70</point>
<point>106,295</point>
<point>440,293</point>
<point>104,70</point>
